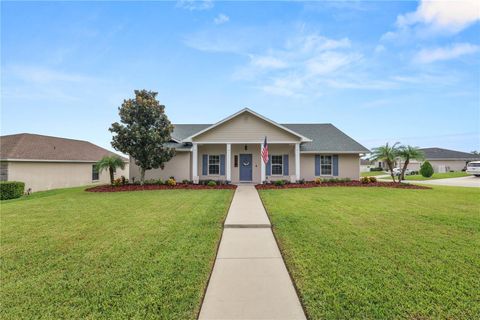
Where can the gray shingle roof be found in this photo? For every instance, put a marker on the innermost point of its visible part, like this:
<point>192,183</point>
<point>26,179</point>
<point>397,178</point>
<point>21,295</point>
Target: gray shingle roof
<point>182,131</point>
<point>445,154</point>
<point>326,137</point>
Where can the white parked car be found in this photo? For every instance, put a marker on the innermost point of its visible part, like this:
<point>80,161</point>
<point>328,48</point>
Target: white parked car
<point>398,171</point>
<point>474,168</point>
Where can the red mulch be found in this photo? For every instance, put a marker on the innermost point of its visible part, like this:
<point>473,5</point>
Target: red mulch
<point>136,187</point>
<point>341,184</point>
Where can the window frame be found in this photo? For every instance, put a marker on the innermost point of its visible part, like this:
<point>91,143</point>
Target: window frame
<point>276,164</point>
<point>213,164</point>
<point>96,172</point>
<point>322,157</point>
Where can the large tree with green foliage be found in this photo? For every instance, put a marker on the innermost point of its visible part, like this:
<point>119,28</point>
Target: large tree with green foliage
<point>110,163</point>
<point>388,154</point>
<point>407,153</point>
<point>143,132</point>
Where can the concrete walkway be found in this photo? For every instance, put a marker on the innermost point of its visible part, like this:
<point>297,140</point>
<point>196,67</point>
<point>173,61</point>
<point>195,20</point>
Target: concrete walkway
<point>249,279</point>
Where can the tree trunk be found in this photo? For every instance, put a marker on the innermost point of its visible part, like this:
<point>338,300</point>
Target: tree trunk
<point>390,167</point>
<point>142,176</point>
<point>111,175</point>
<point>402,174</point>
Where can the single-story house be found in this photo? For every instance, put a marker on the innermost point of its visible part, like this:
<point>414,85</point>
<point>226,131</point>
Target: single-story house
<point>45,162</point>
<point>230,150</point>
<point>444,160</point>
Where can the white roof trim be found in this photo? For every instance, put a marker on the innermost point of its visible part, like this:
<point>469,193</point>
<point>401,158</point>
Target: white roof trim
<point>303,138</point>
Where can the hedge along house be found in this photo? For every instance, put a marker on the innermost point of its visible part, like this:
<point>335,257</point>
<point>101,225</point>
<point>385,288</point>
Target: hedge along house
<point>45,162</point>
<point>230,150</point>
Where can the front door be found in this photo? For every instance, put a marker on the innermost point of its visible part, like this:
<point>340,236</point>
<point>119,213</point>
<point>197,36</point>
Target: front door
<point>245,167</point>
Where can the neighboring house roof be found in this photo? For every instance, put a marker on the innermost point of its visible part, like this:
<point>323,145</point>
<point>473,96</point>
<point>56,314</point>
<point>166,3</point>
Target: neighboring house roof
<point>445,154</point>
<point>325,137</point>
<point>26,146</point>
<point>303,138</point>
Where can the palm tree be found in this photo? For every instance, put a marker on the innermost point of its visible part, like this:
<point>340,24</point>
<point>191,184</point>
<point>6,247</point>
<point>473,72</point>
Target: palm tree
<point>388,154</point>
<point>111,163</point>
<point>408,153</point>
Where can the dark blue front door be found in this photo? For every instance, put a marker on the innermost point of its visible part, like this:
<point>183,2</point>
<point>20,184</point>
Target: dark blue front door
<point>245,167</point>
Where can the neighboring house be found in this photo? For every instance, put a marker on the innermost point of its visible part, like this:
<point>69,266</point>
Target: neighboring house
<point>366,165</point>
<point>230,150</point>
<point>444,160</point>
<point>45,162</point>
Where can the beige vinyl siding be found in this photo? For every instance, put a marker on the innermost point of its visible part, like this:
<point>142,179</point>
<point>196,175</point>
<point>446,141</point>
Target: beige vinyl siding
<point>179,167</point>
<point>52,175</point>
<point>348,166</point>
<point>246,128</point>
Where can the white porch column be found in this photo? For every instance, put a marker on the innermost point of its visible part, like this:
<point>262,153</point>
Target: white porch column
<point>195,177</point>
<point>228,162</point>
<point>297,161</point>
<point>262,166</point>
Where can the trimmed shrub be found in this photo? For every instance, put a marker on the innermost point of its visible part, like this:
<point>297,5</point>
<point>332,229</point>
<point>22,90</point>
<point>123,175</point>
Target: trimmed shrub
<point>185,181</point>
<point>171,182</point>
<point>365,180</point>
<point>11,189</point>
<point>426,170</point>
<point>372,179</point>
<point>318,181</point>
<point>211,183</point>
<point>279,183</point>
<point>376,169</point>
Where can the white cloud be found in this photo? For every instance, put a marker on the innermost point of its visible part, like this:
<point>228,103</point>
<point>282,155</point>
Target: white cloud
<point>445,53</point>
<point>267,62</point>
<point>43,75</point>
<point>434,18</point>
<point>221,19</point>
<point>194,5</point>
<point>450,16</point>
<point>379,48</point>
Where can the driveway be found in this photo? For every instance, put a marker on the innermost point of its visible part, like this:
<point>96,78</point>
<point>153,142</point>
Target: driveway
<point>469,181</point>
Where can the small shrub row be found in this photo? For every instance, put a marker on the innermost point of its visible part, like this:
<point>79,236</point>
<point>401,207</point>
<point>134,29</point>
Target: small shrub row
<point>11,189</point>
<point>213,183</point>
<point>376,169</point>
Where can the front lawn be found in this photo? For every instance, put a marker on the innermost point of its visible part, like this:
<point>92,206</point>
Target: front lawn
<point>373,173</point>
<point>375,253</point>
<point>73,254</point>
<point>435,176</point>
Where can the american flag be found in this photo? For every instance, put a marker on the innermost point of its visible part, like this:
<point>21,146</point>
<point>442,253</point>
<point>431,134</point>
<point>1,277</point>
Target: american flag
<point>265,151</point>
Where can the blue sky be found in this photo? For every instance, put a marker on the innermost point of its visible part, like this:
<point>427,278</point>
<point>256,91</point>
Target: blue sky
<point>381,71</point>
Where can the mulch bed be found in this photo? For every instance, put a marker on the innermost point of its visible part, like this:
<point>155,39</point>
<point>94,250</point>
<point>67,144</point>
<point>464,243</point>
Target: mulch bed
<point>341,184</point>
<point>136,187</point>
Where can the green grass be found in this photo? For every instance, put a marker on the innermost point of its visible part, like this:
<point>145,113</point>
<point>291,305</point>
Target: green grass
<point>72,254</point>
<point>435,176</point>
<point>372,173</point>
<point>379,253</point>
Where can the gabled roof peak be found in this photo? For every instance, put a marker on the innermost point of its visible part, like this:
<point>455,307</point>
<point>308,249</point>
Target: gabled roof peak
<point>246,109</point>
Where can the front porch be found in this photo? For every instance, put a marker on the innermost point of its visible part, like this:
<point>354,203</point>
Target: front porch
<point>242,162</point>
